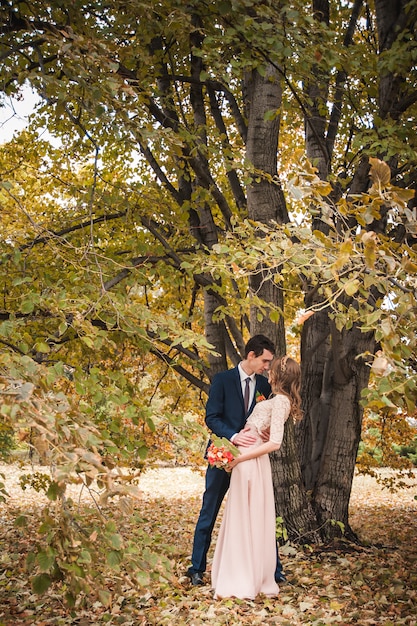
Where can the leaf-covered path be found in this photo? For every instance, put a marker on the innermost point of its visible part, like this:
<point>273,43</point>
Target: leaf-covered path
<point>375,585</point>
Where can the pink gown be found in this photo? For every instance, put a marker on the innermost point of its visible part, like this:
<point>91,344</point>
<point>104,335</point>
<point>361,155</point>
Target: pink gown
<point>245,554</point>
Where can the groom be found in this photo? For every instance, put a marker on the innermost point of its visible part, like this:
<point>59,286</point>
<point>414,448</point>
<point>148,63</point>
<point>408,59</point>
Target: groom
<point>226,416</point>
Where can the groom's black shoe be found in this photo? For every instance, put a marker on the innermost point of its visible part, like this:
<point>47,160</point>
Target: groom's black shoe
<point>196,578</point>
<point>280,578</point>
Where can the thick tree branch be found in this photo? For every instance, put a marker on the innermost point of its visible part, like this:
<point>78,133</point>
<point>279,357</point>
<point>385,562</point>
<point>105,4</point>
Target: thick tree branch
<point>165,358</point>
<point>217,86</point>
<point>336,111</point>
<point>147,153</point>
<point>231,174</point>
<point>51,234</point>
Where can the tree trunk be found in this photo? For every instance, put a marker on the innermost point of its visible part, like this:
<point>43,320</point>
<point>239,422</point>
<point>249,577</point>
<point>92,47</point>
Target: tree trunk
<point>266,201</point>
<point>349,375</point>
<point>215,334</point>
<point>291,500</point>
<point>263,95</point>
<point>316,368</point>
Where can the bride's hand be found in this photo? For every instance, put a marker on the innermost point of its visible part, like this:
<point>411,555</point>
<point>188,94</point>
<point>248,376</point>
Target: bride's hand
<point>233,463</point>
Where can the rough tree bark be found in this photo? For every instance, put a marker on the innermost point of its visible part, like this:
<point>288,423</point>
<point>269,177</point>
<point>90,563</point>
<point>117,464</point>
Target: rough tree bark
<point>265,199</point>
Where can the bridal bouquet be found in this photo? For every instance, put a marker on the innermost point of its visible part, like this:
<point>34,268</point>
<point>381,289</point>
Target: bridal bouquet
<point>221,452</point>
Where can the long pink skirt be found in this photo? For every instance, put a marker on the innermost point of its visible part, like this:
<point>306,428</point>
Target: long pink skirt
<point>245,556</point>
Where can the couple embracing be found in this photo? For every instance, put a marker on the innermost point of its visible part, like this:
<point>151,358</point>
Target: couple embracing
<point>246,560</point>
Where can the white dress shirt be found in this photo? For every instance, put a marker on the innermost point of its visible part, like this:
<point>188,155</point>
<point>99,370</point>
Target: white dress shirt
<point>252,384</point>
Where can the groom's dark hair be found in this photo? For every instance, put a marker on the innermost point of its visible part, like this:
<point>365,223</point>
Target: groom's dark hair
<point>259,343</point>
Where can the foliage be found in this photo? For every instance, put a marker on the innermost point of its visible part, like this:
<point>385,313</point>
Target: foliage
<point>281,531</point>
<point>3,492</point>
<point>7,440</point>
<point>382,436</point>
<point>124,212</point>
<point>409,451</point>
<point>97,454</point>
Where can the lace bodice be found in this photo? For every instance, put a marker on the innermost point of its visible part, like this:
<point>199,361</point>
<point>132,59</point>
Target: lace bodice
<point>271,414</point>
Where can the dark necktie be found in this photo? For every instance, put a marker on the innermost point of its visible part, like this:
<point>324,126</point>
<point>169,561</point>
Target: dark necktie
<point>246,395</point>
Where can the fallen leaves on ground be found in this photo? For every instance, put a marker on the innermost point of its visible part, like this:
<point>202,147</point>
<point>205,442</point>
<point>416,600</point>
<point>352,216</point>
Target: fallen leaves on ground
<point>375,584</point>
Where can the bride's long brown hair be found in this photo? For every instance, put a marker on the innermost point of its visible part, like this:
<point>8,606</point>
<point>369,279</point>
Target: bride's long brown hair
<point>285,377</point>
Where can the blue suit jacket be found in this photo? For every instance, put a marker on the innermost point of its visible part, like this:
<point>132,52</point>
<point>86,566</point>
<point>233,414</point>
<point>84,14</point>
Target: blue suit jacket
<point>225,410</point>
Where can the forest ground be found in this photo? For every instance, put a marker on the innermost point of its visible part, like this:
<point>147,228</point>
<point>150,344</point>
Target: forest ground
<point>375,584</point>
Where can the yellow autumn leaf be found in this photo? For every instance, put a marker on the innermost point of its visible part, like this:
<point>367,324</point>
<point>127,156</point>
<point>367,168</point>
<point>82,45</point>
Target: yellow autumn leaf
<point>409,266</point>
<point>380,173</point>
<point>402,196</point>
<point>370,256</point>
<point>335,605</point>
<point>369,237</point>
<point>323,187</point>
<point>352,287</point>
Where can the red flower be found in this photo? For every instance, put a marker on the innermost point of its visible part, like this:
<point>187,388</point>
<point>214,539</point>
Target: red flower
<point>221,454</point>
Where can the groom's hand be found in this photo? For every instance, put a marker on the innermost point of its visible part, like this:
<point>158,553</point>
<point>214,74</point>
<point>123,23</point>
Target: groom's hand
<point>245,438</point>
<point>265,434</point>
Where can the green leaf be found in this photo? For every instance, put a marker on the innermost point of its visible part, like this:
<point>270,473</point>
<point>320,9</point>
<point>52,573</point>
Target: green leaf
<point>105,597</point>
<point>143,452</point>
<point>55,491</point>
<point>351,287</point>
<point>115,541</point>
<point>114,558</point>
<point>143,579</point>
<point>85,557</point>
<point>226,443</point>
<point>41,346</point>
<point>274,316</point>
<point>41,583</point>
<point>46,560</point>
<point>151,424</point>
<point>27,306</point>
<point>21,280</point>
<point>88,341</point>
